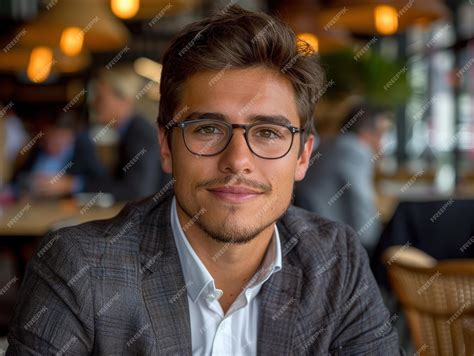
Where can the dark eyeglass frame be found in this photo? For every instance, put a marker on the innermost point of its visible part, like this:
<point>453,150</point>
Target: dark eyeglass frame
<point>183,124</point>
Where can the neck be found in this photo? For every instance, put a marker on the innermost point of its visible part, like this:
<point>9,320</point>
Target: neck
<point>231,265</point>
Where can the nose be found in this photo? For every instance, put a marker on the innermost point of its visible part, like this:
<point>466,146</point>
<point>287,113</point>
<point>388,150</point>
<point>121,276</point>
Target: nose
<point>237,157</point>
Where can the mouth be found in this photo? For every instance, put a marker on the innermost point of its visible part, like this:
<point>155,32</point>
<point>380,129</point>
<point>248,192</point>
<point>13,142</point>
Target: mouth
<point>234,194</point>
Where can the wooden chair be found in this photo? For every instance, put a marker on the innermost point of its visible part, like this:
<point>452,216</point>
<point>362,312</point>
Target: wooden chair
<point>437,299</point>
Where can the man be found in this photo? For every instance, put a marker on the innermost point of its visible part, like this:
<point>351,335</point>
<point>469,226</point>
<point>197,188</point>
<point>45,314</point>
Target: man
<point>339,184</point>
<point>221,265</point>
<point>58,165</point>
<point>12,138</point>
<point>14,132</point>
<point>137,172</point>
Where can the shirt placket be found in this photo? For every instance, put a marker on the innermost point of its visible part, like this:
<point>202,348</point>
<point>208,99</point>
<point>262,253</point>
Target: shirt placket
<point>223,338</point>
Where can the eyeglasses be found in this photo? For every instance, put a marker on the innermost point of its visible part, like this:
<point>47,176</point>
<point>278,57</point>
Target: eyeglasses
<point>211,137</point>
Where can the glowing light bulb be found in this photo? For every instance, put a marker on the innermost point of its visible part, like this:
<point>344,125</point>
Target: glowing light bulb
<point>386,19</point>
<point>125,9</point>
<point>71,42</point>
<point>39,67</point>
<point>310,39</point>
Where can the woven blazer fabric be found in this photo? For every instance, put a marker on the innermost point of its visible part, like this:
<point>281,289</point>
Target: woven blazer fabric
<point>115,287</point>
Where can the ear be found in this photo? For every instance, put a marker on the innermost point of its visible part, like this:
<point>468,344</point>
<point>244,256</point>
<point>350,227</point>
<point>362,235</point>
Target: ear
<point>303,160</point>
<point>165,151</point>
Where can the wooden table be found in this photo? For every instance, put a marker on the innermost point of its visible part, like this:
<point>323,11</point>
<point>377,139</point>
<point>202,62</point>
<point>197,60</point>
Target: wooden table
<point>35,218</point>
<point>25,222</point>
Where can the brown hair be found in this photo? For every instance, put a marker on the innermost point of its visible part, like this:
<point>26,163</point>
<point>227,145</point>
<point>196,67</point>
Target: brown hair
<point>238,38</point>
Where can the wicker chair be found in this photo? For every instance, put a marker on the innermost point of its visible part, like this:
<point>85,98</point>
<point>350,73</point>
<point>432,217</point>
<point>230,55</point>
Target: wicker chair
<point>437,299</point>
<point>468,329</point>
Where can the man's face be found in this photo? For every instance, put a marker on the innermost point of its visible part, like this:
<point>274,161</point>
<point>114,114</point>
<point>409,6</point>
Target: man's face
<point>57,140</point>
<point>375,135</point>
<point>208,187</point>
<point>105,103</point>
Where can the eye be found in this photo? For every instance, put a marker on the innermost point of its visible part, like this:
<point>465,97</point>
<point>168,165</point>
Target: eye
<point>208,130</point>
<point>268,133</point>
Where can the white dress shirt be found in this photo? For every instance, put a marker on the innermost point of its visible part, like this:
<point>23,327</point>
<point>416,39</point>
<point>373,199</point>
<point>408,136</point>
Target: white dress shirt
<point>212,332</point>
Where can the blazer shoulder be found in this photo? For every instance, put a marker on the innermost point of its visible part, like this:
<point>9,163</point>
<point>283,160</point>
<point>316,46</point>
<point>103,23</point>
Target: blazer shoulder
<point>92,239</point>
<point>116,237</point>
<point>312,235</point>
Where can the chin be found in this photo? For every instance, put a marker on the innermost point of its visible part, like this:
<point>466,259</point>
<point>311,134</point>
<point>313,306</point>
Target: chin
<point>236,232</point>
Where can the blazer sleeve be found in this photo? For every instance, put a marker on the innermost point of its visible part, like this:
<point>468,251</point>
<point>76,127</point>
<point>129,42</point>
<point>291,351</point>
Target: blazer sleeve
<point>364,326</point>
<point>54,313</point>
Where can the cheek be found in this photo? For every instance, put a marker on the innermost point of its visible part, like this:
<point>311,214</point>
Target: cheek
<point>185,181</point>
<point>187,169</point>
<point>181,189</point>
<point>283,179</point>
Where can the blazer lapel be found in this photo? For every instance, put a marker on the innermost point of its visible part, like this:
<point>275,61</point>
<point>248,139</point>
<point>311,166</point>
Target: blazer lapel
<point>163,286</point>
<point>280,297</point>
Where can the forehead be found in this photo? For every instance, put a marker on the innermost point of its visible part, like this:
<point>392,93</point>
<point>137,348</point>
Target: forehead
<point>240,94</point>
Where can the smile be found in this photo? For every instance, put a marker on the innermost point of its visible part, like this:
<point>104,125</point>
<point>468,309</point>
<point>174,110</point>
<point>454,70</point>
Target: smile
<point>234,194</point>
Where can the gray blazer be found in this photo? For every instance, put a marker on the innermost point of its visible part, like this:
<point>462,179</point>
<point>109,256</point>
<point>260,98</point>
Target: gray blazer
<point>115,287</point>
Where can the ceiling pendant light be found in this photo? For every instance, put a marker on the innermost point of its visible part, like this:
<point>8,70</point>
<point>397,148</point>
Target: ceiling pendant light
<point>305,22</point>
<point>386,19</point>
<point>125,9</point>
<point>71,41</point>
<point>310,39</point>
<point>39,66</point>
<point>95,28</point>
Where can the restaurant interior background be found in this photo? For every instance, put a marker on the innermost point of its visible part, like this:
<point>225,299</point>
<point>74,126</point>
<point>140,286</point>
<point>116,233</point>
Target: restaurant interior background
<point>414,57</point>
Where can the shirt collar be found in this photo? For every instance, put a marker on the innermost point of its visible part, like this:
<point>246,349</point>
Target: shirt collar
<point>196,275</point>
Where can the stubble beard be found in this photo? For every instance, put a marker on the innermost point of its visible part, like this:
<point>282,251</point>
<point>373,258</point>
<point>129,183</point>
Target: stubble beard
<point>228,232</point>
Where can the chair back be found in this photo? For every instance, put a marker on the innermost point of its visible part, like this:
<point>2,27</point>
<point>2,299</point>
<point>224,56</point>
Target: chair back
<point>437,298</point>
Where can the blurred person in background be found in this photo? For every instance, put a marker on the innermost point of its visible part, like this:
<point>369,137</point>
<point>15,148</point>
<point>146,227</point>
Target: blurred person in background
<point>15,135</point>
<point>58,163</point>
<point>12,138</point>
<point>339,184</point>
<point>137,172</point>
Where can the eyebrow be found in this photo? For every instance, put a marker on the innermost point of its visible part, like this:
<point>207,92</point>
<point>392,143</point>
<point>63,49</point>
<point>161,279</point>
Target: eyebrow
<point>274,119</point>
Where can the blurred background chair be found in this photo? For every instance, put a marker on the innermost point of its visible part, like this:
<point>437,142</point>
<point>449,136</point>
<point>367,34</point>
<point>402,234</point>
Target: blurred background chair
<point>437,298</point>
<point>443,229</point>
<point>468,330</point>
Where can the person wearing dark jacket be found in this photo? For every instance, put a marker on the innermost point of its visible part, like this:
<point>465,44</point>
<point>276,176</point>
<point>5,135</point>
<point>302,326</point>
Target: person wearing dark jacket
<point>58,165</point>
<point>137,173</point>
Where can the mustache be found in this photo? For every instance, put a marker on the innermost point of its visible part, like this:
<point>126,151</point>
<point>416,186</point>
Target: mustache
<point>235,179</point>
